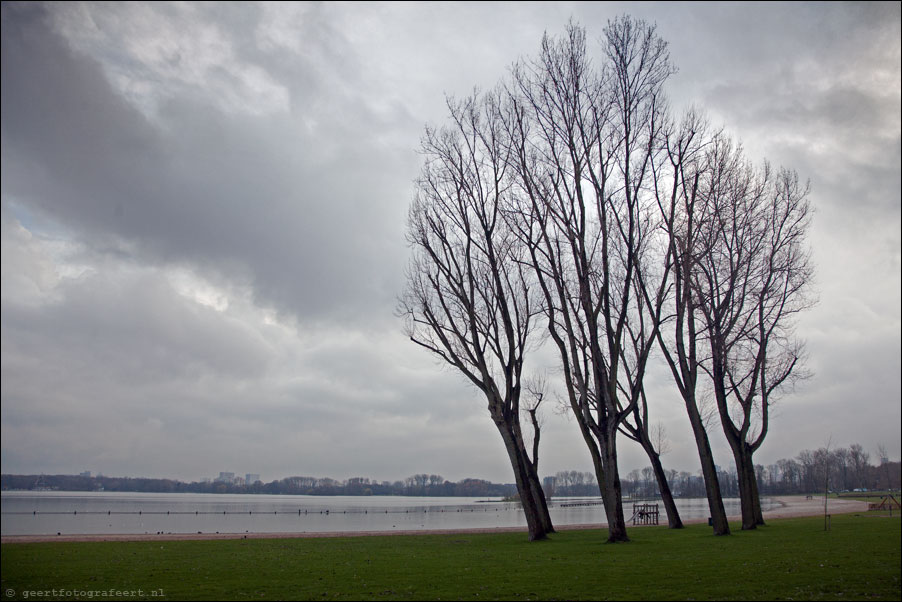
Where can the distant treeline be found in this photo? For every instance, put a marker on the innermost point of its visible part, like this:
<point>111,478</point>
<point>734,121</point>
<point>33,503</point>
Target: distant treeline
<point>837,470</point>
<point>416,485</point>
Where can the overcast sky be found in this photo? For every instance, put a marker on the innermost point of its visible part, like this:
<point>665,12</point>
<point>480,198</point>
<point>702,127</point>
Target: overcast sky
<point>203,217</point>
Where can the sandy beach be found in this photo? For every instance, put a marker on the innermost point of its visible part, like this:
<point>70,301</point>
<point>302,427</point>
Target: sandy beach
<point>789,507</point>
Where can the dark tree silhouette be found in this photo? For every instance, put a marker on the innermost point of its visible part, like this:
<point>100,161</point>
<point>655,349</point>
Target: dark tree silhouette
<point>586,141</point>
<point>470,298</point>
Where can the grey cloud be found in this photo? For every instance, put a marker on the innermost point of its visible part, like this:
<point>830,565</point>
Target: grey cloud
<point>136,325</point>
<point>242,194</point>
<point>115,367</point>
<point>268,152</point>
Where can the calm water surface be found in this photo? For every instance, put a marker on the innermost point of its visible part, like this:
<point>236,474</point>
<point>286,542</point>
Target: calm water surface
<point>35,513</point>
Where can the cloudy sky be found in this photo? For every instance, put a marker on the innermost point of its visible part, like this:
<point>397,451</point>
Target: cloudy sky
<point>203,216</point>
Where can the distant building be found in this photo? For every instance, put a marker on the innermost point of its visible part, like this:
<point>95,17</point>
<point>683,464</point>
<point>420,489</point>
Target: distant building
<point>251,478</point>
<point>225,477</point>
<point>86,473</point>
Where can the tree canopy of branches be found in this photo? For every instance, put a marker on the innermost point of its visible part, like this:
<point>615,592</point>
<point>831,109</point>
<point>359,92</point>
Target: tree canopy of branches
<point>586,142</point>
<point>679,333</point>
<point>746,274</point>
<point>569,198</point>
<point>470,297</point>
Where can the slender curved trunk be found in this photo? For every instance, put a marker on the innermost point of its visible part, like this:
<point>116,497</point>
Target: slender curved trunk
<point>538,521</point>
<point>532,476</point>
<point>709,471</point>
<point>538,496</point>
<point>673,515</point>
<point>604,460</point>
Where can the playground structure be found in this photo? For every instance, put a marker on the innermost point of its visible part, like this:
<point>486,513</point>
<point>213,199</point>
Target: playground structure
<point>887,502</point>
<point>645,514</point>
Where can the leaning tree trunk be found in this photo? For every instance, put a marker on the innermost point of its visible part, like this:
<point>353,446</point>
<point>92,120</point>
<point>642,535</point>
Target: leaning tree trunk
<point>639,433</point>
<point>709,471</point>
<point>538,496</point>
<point>532,478</point>
<point>537,522</point>
<point>673,515</point>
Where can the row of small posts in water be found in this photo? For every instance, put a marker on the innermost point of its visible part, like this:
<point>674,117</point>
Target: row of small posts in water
<point>300,512</point>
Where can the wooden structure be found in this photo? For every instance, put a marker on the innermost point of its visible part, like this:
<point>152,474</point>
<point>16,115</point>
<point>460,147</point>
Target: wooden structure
<point>888,502</point>
<point>645,514</point>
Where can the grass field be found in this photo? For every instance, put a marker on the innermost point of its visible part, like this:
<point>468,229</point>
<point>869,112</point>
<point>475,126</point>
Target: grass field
<point>789,559</point>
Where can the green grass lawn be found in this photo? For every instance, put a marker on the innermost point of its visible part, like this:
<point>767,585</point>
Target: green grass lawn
<point>791,559</point>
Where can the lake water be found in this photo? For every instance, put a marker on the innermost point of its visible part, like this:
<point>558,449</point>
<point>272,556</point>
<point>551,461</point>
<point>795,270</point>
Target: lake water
<point>49,512</point>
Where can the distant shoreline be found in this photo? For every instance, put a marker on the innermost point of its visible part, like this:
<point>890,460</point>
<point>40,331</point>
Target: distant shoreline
<point>789,507</point>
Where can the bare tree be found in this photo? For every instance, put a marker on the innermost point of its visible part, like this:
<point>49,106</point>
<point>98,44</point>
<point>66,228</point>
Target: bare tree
<point>636,427</point>
<point>571,194</point>
<point>536,389</point>
<point>680,332</point>
<point>585,140</point>
<point>469,298</point>
<point>790,475</point>
<point>842,464</point>
<point>884,465</point>
<point>860,461</point>
<point>751,281</point>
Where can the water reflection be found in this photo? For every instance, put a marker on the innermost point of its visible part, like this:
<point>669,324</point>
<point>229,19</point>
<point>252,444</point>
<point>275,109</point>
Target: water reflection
<point>33,513</point>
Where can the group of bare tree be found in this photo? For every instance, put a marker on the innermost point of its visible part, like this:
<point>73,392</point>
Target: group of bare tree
<point>571,483</point>
<point>836,470</point>
<point>568,205</point>
<point>839,469</point>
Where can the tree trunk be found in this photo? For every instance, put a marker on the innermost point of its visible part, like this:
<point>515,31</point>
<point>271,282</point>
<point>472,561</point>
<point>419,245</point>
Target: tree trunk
<point>538,494</point>
<point>538,522</point>
<point>709,471</point>
<point>611,492</point>
<point>742,452</point>
<point>532,479</point>
<point>756,504</point>
<point>748,484</point>
<point>532,475</point>
<point>673,515</point>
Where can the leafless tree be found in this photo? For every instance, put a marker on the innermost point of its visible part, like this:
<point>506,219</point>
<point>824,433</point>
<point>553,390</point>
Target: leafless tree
<point>571,194</point>
<point>659,438</point>
<point>842,465</point>
<point>680,333</point>
<point>741,275</point>
<point>536,390</point>
<point>751,280</point>
<point>860,461</point>
<point>654,443</point>
<point>585,142</point>
<point>470,296</point>
<point>884,465</point>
